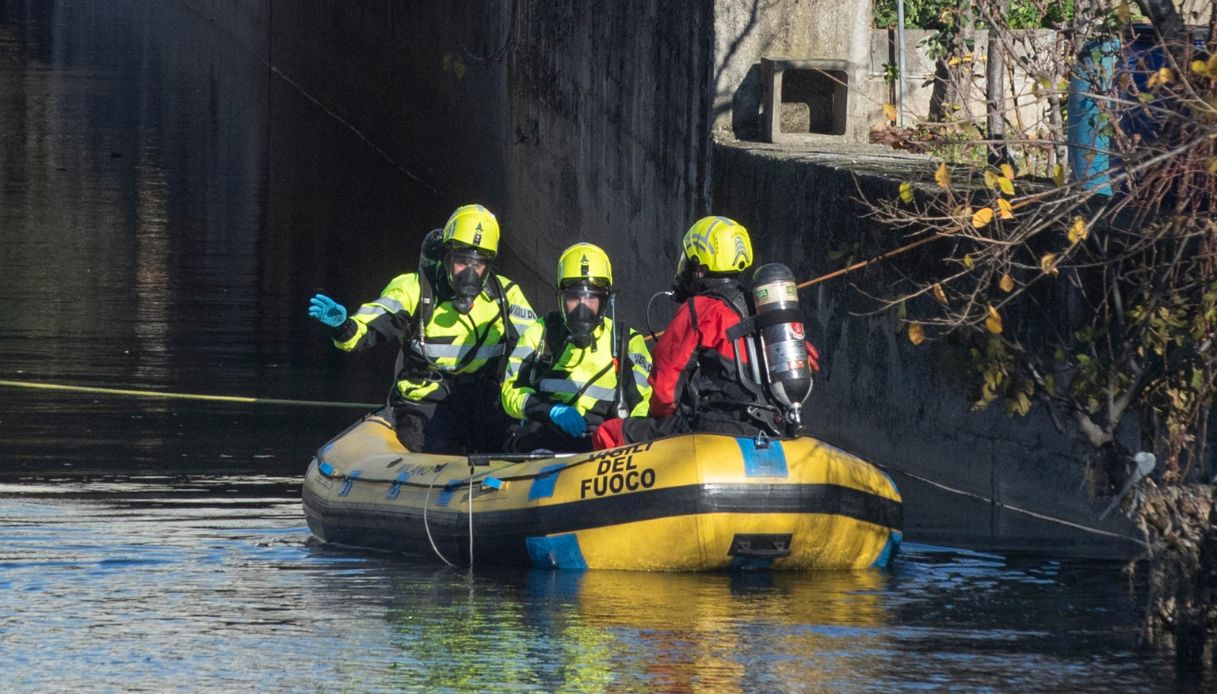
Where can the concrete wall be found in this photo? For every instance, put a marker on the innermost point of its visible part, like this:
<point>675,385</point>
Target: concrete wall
<point>571,125</point>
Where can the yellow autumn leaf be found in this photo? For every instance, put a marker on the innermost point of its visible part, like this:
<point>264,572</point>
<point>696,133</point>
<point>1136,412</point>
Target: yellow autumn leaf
<point>1006,283</point>
<point>1123,13</point>
<point>906,192</point>
<point>943,176</point>
<point>990,179</point>
<point>1007,171</point>
<point>993,322</point>
<point>1005,209</point>
<point>939,294</point>
<point>1058,175</point>
<point>1212,167</point>
<point>916,333</point>
<point>1007,186</point>
<point>889,112</point>
<point>967,261</point>
<point>1200,68</point>
<point>1077,232</point>
<point>1048,263</point>
<point>982,217</point>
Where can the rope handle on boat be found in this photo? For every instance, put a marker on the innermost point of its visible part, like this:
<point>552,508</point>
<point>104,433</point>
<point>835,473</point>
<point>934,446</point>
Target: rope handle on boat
<point>474,461</point>
<point>427,526</point>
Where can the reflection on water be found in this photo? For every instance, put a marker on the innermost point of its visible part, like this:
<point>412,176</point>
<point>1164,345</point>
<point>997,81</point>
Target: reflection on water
<point>166,210</point>
<point>196,582</point>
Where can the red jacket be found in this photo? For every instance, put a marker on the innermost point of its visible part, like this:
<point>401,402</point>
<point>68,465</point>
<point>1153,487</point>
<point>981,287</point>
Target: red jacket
<point>681,347</point>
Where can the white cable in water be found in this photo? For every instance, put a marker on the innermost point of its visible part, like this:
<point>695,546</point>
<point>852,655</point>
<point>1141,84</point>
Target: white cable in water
<point>426,526</point>
<point>470,502</point>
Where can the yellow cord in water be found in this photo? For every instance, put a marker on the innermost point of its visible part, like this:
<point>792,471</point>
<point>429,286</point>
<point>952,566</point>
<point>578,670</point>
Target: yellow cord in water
<point>183,396</point>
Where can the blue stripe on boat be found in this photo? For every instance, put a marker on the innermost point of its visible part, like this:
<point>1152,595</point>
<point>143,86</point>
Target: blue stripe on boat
<point>543,483</point>
<point>326,469</point>
<point>555,552</point>
<point>395,488</point>
<point>763,462</point>
<point>446,495</point>
<point>350,482</point>
<point>894,538</point>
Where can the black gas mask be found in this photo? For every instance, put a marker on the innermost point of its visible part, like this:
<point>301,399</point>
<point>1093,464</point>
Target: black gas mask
<point>467,270</point>
<point>583,307</point>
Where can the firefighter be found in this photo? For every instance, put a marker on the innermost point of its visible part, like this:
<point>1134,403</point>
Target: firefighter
<point>577,366</point>
<point>697,381</point>
<point>455,324</point>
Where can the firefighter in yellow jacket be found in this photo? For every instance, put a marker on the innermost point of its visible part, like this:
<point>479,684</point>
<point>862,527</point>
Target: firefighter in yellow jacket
<point>577,366</point>
<point>455,328</point>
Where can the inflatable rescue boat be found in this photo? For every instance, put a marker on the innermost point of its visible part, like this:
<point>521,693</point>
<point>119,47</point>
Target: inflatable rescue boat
<point>693,502</point>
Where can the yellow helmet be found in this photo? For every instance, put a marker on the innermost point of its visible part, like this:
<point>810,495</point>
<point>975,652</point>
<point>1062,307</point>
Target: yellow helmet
<point>475,227</point>
<point>719,244</point>
<point>585,263</point>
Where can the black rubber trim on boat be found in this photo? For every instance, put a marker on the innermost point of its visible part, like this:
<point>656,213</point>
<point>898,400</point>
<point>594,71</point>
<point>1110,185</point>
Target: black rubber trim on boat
<point>499,526</point>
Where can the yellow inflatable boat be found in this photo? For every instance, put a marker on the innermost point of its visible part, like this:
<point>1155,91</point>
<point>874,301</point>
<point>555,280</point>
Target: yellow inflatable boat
<point>694,502</point>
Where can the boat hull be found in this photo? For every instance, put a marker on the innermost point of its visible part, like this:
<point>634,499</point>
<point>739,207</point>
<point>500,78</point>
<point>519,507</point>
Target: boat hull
<point>686,503</point>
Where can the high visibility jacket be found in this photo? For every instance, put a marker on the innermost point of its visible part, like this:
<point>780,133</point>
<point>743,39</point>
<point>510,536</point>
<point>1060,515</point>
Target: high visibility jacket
<point>584,378</point>
<point>450,344</point>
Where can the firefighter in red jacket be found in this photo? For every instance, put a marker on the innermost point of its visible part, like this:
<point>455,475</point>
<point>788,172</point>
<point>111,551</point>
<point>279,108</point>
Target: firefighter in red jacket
<point>696,381</point>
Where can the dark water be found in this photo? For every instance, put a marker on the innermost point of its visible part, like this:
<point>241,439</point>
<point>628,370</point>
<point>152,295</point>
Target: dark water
<point>167,205</point>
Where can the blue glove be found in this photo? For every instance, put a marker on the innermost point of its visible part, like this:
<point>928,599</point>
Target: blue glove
<point>568,419</point>
<point>326,310</point>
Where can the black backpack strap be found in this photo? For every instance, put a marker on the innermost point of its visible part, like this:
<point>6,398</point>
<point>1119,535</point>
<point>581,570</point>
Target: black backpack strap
<point>499,294</point>
<point>554,337</point>
<point>426,305</point>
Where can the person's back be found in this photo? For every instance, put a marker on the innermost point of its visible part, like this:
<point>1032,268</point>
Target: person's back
<point>702,378</point>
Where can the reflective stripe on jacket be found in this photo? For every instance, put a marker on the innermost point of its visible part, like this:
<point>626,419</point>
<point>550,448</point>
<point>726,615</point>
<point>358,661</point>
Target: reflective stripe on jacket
<point>581,377</point>
<point>452,343</point>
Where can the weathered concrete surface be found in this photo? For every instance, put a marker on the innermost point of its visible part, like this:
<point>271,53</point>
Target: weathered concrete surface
<point>570,124</point>
<point>609,140</point>
<point>745,32</point>
<point>978,478</point>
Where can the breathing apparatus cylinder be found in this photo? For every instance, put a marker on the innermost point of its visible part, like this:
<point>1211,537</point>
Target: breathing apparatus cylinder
<point>785,366</point>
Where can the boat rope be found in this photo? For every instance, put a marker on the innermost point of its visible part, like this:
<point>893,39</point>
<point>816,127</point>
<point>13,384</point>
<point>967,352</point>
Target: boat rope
<point>835,273</point>
<point>183,396</point>
<point>426,525</point>
<point>276,72</point>
<point>470,504</point>
<point>1017,509</point>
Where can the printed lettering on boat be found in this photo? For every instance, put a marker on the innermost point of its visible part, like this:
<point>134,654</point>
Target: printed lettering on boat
<point>617,474</point>
<point>619,452</point>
